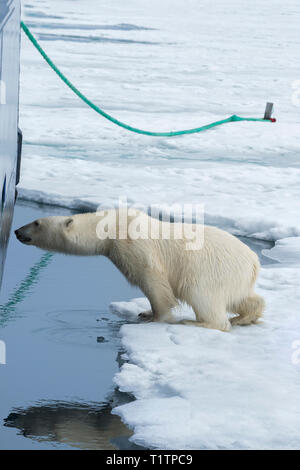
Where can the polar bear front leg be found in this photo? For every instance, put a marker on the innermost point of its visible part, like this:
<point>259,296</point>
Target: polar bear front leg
<point>160,295</point>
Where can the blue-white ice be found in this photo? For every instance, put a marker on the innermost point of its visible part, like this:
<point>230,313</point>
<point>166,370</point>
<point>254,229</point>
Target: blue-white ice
<point>164,65</point>
<point>204,389</point>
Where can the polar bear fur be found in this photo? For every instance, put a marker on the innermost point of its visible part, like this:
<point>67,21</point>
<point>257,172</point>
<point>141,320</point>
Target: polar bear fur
<point>216,279</point>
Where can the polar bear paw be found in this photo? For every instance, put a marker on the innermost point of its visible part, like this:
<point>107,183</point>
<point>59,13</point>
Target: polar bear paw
<point>146,316</point>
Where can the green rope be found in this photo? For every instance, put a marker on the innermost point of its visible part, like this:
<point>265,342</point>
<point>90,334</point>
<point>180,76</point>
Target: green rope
<point>233,118</point>
<point>21,291</point>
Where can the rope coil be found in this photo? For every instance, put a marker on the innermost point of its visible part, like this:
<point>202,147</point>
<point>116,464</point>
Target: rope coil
<point>98,110</point>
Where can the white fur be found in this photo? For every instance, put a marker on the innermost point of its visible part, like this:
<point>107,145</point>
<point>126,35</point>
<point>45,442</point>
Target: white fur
<point>216,279</point>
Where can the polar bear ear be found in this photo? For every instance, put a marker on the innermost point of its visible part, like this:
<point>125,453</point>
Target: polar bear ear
<point>68,222</point>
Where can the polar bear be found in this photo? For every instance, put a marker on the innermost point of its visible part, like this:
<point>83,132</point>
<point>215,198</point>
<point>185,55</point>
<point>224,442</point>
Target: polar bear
<point>215,279</point>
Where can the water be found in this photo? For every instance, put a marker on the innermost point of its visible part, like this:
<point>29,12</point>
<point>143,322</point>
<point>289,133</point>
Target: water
<point>56,388</point>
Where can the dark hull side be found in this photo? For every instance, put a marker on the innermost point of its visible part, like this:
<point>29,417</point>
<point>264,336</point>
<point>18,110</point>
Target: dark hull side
<point>9,110</point>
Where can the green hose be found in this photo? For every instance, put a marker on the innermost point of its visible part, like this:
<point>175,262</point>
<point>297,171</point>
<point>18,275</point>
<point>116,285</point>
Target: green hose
<point>233,118</point>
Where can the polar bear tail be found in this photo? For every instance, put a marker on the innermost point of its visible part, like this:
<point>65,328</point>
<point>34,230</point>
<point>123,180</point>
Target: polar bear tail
<point>249,310</point>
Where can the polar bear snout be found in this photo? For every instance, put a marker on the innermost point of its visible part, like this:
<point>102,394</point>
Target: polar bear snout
<point>22,236</point>
<point>30,233</point>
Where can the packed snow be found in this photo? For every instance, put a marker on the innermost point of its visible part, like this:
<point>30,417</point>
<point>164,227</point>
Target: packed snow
<point>204,389</point>
<point>167,66</point>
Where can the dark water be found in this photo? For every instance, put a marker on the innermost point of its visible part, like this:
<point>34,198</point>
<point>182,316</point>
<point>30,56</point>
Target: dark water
<point>62,347</point>
<point>56,388</point>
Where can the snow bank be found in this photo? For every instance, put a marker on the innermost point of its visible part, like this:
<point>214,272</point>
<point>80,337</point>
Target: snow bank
<point>261,202</point>
<point>204,389</point>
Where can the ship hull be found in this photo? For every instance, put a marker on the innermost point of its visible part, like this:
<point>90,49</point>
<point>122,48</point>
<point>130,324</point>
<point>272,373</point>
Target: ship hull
<point>9,114</point>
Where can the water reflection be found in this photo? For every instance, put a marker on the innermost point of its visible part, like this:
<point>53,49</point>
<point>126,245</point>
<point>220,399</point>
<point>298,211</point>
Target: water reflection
<point>84,426</point>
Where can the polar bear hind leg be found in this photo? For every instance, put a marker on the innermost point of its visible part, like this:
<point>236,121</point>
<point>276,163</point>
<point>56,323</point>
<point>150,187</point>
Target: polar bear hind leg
<point>210,313</point>
<point>249,310</point>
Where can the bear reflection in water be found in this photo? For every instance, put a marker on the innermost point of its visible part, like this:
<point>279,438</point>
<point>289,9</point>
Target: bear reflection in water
<point>85,426</point>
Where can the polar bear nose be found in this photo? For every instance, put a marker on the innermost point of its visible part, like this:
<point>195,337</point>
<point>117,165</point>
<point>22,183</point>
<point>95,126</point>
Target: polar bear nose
<point>21,237</point>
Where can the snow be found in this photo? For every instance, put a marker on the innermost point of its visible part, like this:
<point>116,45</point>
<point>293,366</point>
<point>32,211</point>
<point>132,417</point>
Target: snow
<point>204,389</point>
<point>167,66</point>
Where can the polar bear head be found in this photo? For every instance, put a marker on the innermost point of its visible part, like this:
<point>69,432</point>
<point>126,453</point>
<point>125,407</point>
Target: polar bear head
<point>64,234</point>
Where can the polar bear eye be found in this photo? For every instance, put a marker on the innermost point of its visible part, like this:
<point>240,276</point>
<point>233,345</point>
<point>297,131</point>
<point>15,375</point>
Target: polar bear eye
<point>36,223</point>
